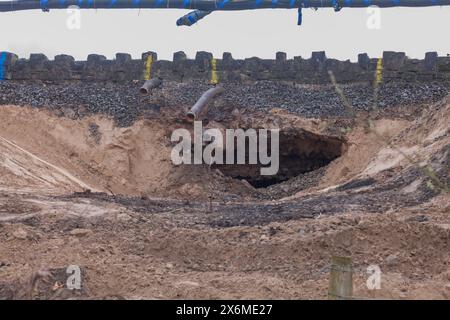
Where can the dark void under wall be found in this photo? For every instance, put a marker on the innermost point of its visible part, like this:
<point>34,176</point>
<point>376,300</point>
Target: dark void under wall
<point>300,151</point>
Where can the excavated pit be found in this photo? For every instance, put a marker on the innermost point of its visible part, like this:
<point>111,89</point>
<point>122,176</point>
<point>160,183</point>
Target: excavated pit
<point>93,153</point>
<point>300,152</point>
<point>89,189</point>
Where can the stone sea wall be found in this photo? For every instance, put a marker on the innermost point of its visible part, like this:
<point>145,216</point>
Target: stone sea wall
<point>392,66</point>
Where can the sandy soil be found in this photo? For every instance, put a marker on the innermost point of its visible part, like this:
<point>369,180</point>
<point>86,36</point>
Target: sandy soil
<point>60,181</point>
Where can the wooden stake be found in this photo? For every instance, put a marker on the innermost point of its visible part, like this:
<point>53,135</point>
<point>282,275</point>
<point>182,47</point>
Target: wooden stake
<point>341,279</point>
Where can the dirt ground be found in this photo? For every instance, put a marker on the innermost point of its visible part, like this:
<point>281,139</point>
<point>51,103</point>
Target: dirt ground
<point>88,193</point>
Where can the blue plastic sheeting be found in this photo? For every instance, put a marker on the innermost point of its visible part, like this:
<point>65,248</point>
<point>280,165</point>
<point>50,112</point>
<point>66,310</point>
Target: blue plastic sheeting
<point>3,56</point>
<point>213,5</point>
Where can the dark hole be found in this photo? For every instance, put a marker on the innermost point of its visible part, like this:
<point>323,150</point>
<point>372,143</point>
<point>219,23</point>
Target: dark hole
<point>300,151</point>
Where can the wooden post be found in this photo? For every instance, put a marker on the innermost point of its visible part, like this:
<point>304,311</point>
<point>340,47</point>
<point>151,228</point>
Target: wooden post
<point>341,279</point>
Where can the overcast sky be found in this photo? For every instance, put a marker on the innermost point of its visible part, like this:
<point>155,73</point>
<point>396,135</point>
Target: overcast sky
<point>246,33</point>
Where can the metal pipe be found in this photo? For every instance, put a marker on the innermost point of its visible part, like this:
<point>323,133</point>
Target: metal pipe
<point>205,99</point>
<point>149,85</point>
<point>211,5</point>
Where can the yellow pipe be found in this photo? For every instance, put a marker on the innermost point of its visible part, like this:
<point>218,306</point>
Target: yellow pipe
<point>148,67</point>
<point>379,75</point>
<point>214,77</point>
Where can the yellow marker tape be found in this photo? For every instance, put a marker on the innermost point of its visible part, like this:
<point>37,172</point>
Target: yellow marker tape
<point>379,75</point>
<point>214,77</point>
<point>148,67</point>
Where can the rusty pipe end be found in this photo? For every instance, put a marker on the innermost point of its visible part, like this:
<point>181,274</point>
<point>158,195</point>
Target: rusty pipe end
<point>190,116</point>
<point>150,85</point>
<point>143,91</point>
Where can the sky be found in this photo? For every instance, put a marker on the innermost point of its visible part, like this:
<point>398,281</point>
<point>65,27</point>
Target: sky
<point>244,33</point>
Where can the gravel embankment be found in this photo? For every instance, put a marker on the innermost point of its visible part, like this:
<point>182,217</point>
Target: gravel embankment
<point>123,102</point>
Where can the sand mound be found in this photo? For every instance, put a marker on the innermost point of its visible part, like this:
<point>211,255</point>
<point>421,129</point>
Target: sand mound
<point>71,155</point>
<point>419,140</point>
